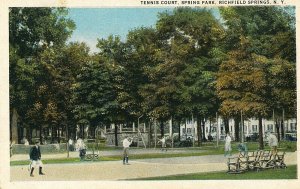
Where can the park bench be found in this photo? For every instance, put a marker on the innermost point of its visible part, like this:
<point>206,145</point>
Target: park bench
<point>238,164</point>
<point>279,160</point>
<point>255,160</point>
<point>91,157</point>
<point>266,160</point>
<point>92,153</point>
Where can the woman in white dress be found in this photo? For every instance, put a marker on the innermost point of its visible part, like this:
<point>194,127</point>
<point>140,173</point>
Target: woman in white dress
<point>227,145</point>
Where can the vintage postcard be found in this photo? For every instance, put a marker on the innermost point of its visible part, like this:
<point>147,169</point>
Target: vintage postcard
<point>149,94</point>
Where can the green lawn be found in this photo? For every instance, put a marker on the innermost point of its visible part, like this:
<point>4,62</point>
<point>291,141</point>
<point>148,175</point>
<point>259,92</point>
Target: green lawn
<point>118,157</point>
<point>191,151</point>
<point>288,173</point>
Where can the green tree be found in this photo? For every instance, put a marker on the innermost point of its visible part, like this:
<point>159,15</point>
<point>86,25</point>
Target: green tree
<point>246,79</point>
<point>112,54</point>
<point>31,31</point>
<point>191,58</point>
<point>94,96</point>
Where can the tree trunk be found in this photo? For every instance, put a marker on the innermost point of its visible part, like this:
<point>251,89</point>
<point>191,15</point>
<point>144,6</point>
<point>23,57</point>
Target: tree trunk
<point>116,135</point>
<point>260,126</point>
<point>179,121</point>
<point>149,134</point>
<point>41,132</point>
<point>226,123</point>
<point>203,133</point>
<point>185,133</point>
<point>30,134</point>
<point>199,131</point>
<point>282,129</point>
<point>52,134</point>
<point>282,125</point>
<point>209,131</point>
<point>277,130</point>
<point>58,134</point>
<point>162,129</point>
<point>14,127</point>
<point>237,129</point>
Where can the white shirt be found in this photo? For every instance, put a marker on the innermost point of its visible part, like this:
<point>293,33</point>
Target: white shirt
<point>80,144</point>
<point>272,140</point>
<point>126,143</point>
<point>228,139</point>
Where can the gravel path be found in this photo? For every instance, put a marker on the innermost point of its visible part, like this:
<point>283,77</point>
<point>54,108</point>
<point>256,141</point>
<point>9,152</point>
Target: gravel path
<point>141,168</point>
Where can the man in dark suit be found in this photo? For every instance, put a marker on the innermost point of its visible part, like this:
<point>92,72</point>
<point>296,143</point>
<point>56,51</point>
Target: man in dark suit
<point>35,157</point>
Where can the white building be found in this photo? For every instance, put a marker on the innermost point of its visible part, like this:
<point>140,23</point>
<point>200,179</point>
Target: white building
<point>189,128</point>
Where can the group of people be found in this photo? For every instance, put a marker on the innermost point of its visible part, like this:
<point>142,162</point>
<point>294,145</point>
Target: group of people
<point>35,153</point>
<point>128,141</point>
<point>271,138</point>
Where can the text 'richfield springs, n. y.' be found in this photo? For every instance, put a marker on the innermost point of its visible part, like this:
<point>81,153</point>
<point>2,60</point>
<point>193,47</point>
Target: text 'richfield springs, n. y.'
<point>213,2</point>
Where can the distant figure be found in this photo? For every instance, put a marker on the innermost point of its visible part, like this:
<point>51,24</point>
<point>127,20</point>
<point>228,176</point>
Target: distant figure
<point>24,141</point>
<point>163,143</point>
<point>71,145</point>
<point>227,145</point>
<point>35,157</point>
<point>81,147</point>
<point>273,142</point>
<point>243,149</point>
<point>126,143</point>
<point>210,138</point>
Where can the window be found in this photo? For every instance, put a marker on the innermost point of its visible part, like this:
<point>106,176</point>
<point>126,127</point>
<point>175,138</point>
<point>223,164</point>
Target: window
<point>183,130</point>
<point>214,129</point>
<point>270,127</point>
<point>254,128</point>
<point>189,130</point>
<point>293,127</point>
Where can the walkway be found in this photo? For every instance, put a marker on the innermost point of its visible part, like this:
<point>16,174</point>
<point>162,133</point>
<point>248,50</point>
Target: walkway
<point>115,170</point>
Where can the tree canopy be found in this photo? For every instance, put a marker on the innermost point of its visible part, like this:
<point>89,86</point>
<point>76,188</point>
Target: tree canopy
<point>191,64</point>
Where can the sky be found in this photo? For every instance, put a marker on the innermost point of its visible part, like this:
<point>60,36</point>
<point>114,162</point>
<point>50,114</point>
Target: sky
<point>93,23</point>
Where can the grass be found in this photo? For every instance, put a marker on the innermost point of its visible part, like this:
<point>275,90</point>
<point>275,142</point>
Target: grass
<point>190,151</point>
<point>118,157</point>
<point>288,173</point>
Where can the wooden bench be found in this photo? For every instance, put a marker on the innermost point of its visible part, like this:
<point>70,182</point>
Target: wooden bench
<point>238,164</point>
<point>255,160</point>
<point>279,160</point>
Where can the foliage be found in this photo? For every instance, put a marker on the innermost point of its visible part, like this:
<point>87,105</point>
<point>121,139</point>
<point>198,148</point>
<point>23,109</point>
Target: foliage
<point>189,65</point>
<point>94,96</point>
<point>35,37</point>
<point>248,80</point>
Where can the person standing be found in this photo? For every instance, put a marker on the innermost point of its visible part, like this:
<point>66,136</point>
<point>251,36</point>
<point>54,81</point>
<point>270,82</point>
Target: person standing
<point>35,158</point>
<point>227,145</point>
<point>243,149</point>
<point>71,145</point>
<point>126,143</point>
<point>80,146</point>
<point>163,143</point>
<point>273,142</point>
